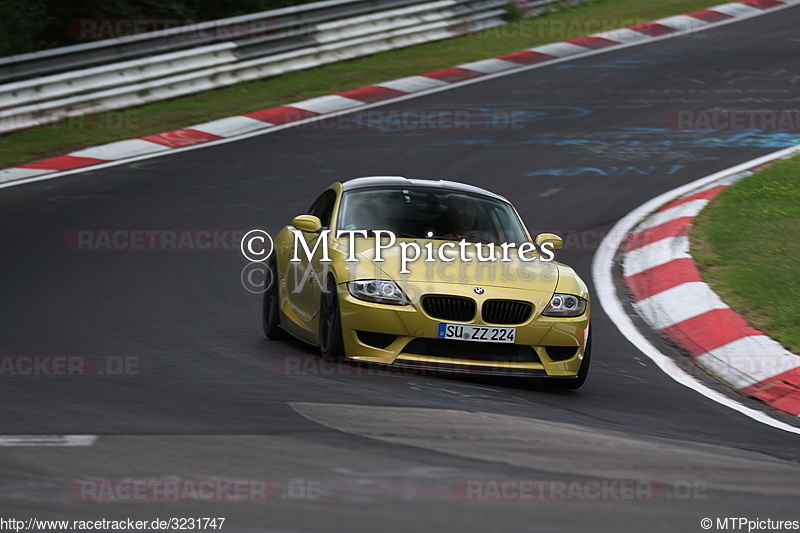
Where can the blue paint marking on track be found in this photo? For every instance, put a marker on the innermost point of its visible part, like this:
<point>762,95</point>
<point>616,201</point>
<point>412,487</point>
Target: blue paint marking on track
<point>608,171</point>
<point>677,139</point>
<point>637,61</point>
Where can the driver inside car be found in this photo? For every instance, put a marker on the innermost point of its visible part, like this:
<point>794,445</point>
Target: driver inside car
<point>461,217</point>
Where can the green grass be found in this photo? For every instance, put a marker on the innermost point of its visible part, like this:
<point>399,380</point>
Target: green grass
<point>747,244</point>
<point>66,136</point>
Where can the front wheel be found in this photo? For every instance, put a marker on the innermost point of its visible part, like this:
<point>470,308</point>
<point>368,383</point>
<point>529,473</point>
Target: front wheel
<point>331,343</point>
<point>583,371</point>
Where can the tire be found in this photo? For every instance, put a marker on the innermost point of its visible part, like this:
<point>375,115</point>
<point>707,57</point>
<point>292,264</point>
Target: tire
<point>583,371</point>
<point>331,343</point>
<point>270,310</point>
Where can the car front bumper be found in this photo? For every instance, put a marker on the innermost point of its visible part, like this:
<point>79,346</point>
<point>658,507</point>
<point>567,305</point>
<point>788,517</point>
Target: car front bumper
<point>408,337</point>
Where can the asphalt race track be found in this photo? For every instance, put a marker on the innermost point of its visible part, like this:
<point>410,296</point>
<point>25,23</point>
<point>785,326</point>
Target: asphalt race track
<point>575,146</point>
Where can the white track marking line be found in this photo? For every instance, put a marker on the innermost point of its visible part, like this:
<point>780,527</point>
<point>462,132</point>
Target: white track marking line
<point>47,440</point>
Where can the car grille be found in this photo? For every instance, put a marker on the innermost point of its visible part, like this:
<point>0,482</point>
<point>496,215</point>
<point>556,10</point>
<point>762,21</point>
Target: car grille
<point>506,311</point>
<point>449,307</point>
<point>473,351</point>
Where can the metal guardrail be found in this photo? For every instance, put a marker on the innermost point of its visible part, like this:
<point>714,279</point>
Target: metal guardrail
<point>130,71</point>
<point>272,25</point>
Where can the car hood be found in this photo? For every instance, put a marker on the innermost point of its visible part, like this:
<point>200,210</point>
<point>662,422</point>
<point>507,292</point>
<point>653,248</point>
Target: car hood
<point>531,275</point>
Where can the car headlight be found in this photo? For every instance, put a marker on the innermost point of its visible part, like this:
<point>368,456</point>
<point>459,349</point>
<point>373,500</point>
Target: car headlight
<point>565,305</point>
<point>377,290</point>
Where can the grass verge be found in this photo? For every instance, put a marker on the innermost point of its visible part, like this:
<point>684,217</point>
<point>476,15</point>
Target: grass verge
<point>747,245</point>
<point>69,135</point>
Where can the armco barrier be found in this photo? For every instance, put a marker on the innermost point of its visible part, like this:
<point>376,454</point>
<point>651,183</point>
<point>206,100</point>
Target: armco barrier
<point>164,67</point>
<point>270,26</point>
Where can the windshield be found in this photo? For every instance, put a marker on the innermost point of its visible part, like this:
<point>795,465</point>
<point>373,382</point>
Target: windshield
<point>428,213</point>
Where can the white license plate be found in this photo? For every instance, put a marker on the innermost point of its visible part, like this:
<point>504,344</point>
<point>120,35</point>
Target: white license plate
<point>468,332</point>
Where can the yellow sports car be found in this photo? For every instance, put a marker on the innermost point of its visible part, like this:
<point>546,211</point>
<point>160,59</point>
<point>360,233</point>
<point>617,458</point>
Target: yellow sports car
<point>433,275</point>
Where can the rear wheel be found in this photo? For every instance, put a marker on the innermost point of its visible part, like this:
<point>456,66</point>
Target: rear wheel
<point>331,343</point>
<point>270,316</point>
<point>583,371</point>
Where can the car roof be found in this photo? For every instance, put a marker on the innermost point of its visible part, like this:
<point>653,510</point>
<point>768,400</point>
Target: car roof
<point>400,181</point>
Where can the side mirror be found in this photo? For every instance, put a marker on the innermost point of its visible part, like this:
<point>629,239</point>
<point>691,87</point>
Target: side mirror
<point>307,223</point>
<point>556,242</point>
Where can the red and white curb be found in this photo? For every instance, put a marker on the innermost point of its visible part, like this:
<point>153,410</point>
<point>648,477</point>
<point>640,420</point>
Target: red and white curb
<point>669,294</point>
<point>266,119</point>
